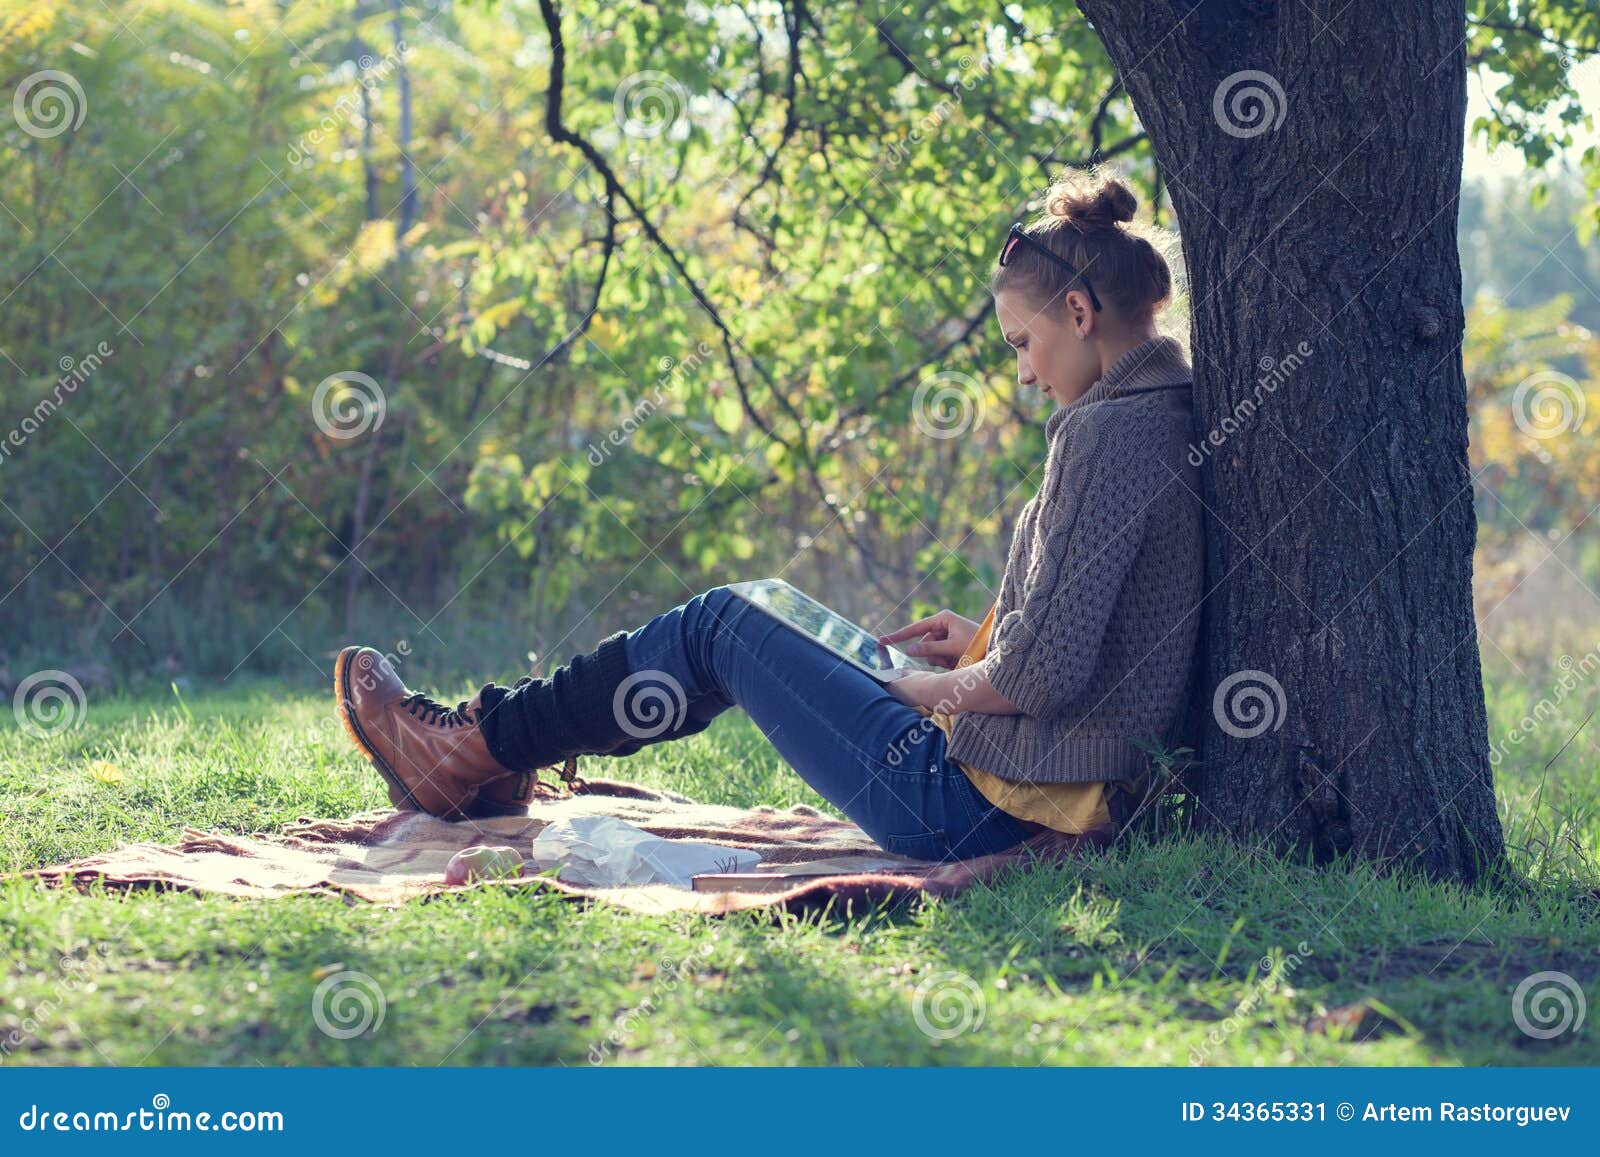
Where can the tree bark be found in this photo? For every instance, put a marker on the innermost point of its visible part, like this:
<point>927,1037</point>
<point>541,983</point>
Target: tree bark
<point>1339,696</point>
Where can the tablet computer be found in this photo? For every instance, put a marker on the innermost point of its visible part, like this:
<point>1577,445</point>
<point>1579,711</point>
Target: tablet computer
<point>828,628</point>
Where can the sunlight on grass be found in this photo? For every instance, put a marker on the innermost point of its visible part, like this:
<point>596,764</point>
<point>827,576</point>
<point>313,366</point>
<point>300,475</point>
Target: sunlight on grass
<point>1179,951</point>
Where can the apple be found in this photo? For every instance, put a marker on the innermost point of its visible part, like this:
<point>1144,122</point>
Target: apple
<point>483,863</point>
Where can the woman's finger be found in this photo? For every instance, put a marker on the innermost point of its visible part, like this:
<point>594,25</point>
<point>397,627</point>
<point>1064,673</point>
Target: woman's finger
<point>932,648</point>
<point>920,627</point>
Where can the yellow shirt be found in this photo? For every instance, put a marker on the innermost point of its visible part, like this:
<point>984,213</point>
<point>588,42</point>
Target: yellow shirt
<point>1066,807</point>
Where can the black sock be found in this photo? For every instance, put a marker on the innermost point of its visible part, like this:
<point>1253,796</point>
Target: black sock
<point>569,713</point>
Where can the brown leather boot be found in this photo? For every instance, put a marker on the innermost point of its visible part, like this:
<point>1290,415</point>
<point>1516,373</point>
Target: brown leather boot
<point>509,796</point>
<point>433,757</point>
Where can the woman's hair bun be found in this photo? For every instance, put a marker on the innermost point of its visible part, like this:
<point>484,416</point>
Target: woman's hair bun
<point>1090,202</point>
<point>1083,224</point>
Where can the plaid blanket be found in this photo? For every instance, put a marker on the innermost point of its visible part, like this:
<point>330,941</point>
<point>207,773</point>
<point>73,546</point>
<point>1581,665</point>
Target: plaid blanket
<point>391,857</point>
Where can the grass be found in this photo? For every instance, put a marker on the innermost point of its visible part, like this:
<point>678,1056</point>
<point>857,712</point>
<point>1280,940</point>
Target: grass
<point>1180,951</point>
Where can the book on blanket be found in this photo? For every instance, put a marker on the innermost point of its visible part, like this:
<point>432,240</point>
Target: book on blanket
<point>751,881</point>
<point>793,875</point>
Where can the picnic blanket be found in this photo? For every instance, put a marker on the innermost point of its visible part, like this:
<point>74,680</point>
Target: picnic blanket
<point>392,857</point>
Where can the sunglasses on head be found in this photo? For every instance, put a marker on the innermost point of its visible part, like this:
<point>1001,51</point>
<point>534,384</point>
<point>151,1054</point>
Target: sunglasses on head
<point>1018,235</point>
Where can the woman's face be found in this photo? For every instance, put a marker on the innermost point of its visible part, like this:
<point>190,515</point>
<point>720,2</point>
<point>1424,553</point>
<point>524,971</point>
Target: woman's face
<point>1052,351</point>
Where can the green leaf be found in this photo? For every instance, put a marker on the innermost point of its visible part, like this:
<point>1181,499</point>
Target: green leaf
<point>727,414</point>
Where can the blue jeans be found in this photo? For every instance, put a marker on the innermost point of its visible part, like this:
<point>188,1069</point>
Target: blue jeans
<point>874,758</point>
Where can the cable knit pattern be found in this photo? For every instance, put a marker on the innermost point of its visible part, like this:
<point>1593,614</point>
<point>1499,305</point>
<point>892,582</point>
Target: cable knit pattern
<point>1098,611</point>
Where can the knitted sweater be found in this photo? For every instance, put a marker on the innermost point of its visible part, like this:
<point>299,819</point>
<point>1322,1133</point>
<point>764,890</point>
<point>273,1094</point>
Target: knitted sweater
<point>1066,807</point>
<point>1098,610</point>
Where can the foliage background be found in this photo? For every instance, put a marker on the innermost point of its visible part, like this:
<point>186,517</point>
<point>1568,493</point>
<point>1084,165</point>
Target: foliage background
<point>649,307</point>
<point>667,330</point>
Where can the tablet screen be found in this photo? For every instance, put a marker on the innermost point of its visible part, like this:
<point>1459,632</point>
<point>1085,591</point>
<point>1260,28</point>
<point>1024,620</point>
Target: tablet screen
<point>828,627</point>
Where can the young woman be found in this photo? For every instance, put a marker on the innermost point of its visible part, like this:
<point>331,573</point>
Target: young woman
<point>1038,720</point>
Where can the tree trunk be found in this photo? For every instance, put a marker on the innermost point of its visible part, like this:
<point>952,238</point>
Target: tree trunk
<point>1339,697</point>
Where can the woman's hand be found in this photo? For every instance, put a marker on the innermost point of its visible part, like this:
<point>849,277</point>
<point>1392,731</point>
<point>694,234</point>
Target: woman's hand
<point>917,688</point>
<point>944,637</point>
<point>964,689</point>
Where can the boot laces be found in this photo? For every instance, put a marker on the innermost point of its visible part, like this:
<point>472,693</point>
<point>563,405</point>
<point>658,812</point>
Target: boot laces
<point>433,712</point>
